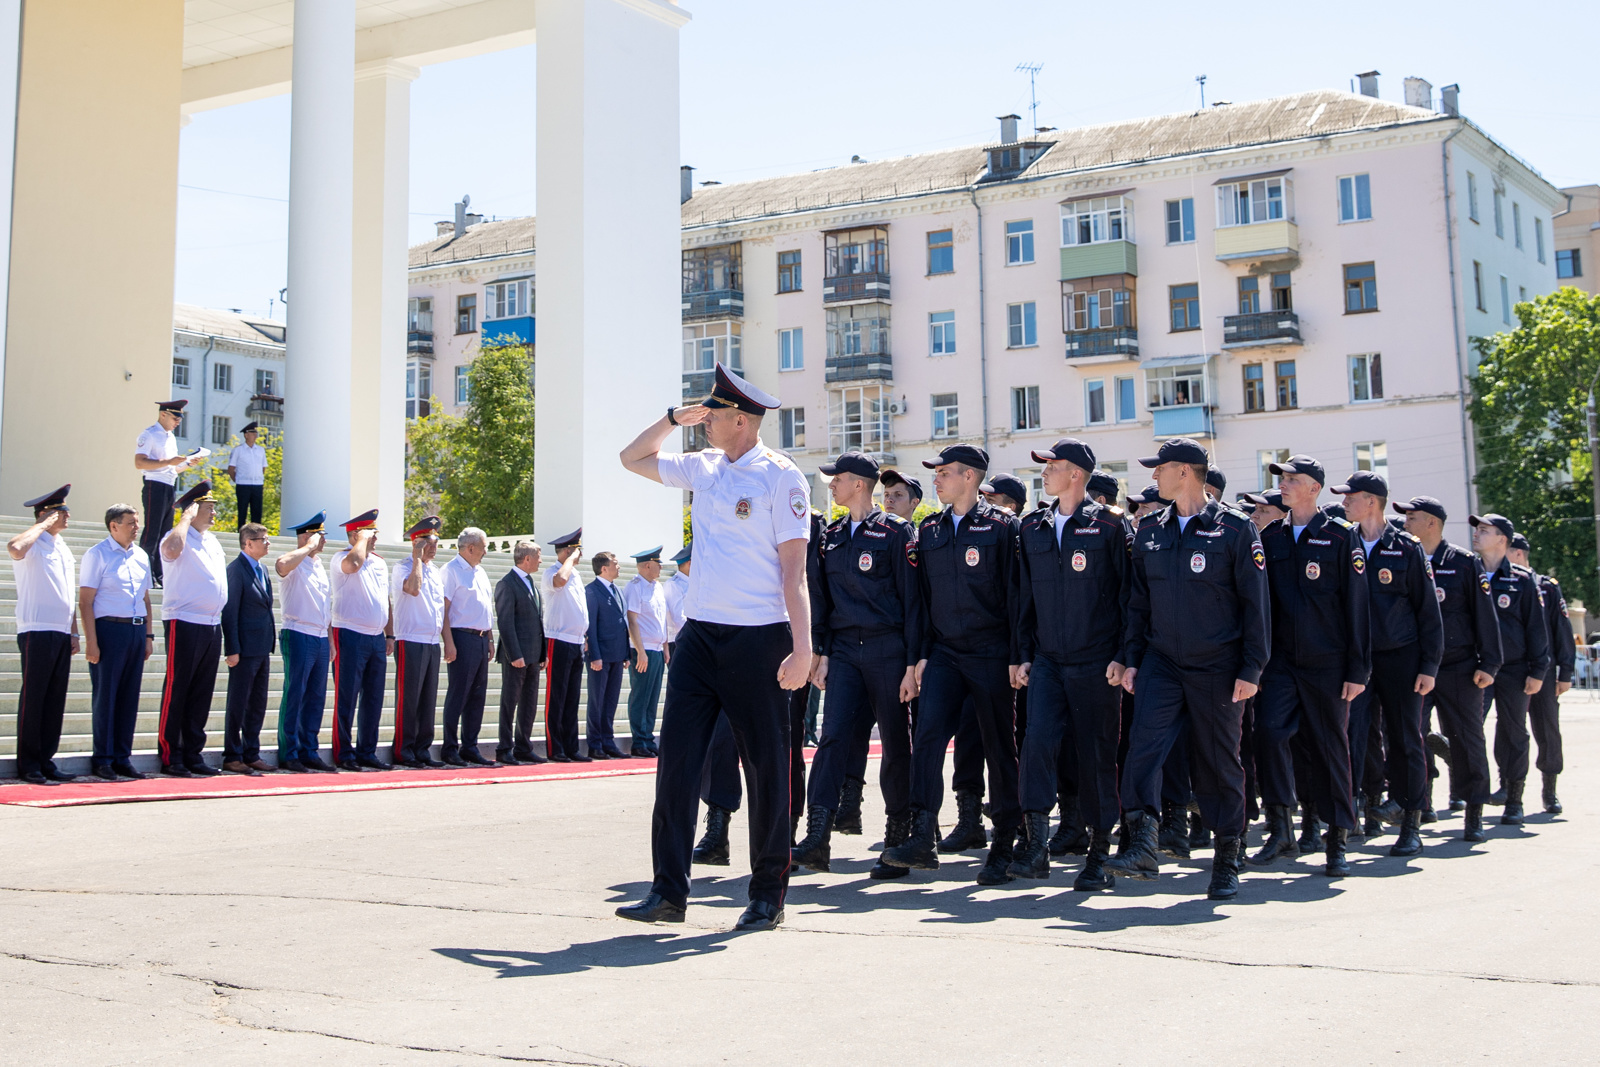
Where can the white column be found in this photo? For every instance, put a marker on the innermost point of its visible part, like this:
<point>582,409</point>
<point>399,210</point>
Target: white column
<point>378,342</point>
<point>10,63</point>
<point>316,409</point>
<point>608,343</point>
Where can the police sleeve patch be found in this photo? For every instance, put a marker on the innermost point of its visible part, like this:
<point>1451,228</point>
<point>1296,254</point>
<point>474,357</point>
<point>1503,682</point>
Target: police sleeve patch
<point>911,553</point>
<point>1359,562</point>
<point>1483,581</point>
<point>1259,555</point>
<point>797,502</point>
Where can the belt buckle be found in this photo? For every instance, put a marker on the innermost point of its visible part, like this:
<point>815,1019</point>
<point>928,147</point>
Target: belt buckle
<point>138,620</point>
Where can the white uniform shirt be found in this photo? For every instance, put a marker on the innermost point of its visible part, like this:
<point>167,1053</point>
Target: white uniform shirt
<point>676,587</point>
<point>360,600</point>
<point>648,601</point>
<point>47,586</point>
<point>471,599</point>
<point>119,576</point>
<point>249,463</point>
<point>566,610</point>
<point>156,443</point>
<point>305,598</point>
<point>418,618</point>
<point>195,585</point>
<point>743,510</point>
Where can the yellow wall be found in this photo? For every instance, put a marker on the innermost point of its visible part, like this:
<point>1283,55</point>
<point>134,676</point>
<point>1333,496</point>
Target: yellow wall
<point>93,241</point>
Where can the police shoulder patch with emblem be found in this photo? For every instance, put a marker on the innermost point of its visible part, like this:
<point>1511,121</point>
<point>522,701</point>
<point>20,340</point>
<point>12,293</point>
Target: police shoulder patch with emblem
<point>798,503</point>
<point>1259,556</point>
<point>1483,581</point>
<point>911,553</point>
<point>1359,562</point>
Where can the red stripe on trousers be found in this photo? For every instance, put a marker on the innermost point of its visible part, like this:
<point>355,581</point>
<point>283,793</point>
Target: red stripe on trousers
<point>333,633</point>
<point>549,676</point>
<point>166,696</point>
<point>399,697</point>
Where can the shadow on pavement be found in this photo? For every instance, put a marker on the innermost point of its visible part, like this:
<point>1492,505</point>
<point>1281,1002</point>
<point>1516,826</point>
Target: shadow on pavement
<point>633,950</point>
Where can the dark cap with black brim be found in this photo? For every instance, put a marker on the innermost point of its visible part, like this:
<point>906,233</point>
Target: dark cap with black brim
<point>54,499</point>
<point>857,463</point>
<point>1076,452</point>
<point>1271,498</point>
<point>200,491</point>
<point>250,427</point>
<point>1521,542</point>
<point>424,528</point>
<point>1104,485</point>
<point>568,540</point>
<point>684,554</point>
<point>313,524</point>
<point>1499,522</point>
<point>1006,485</point>
<point>649,555</point>
<point>172,407</point>
<point>1425,504</point>
<point>889,476</point>
<point>1178,450</point>
<point>1150,494</point>
<point>1300,465</point>
<point>1363,482</point>
<point>969,455</point>
<point>1217,480</point>
<point>732,391</point>
<point>363,521</point>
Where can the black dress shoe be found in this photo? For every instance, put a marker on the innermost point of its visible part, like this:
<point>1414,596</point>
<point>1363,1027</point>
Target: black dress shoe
<point>372,763</point>
<point>598,753</point>
<point>36,778</point>
<point>558,758</point>
<point>582,759</point>
<point>760,916</point>
<point>315,764</point>
<point>477,760</point>
<point>126,770</point>
<point>431,763</point>
<point>506,759</point>
<point>641,751</point>
<point>56,775</point>
<point>176,770</point>
<point>652,909</point>
<point>203,770</point>
<point>350,765</point>
<point>613,752</point>
<point>411,764</point>
<point>105,772</point>
<point>532,757</point>
<point>294,766</point>
<point>454,760</point>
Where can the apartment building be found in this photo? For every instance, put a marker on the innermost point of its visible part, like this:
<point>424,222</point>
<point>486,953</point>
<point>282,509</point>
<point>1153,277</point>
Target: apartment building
<point>229,366</point>
<point>1577,238</point>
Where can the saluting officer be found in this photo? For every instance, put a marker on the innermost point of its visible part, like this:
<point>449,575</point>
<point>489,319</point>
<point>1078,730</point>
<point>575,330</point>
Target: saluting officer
<point>363,627</point>
<point>566,626</point>
<point>967,556</point>
<point>1525,642</point>
<point>1073,593</point>
<point>418,598</point>
<point>1196,644</point>
<point>1321,659</point>
<point>156,457</point>
<point>47,635</point>
<point>305,648</point>
<point>872,635</point>
<point>1407,644</point>
<point>191,610</point>
<point>1544,707</point>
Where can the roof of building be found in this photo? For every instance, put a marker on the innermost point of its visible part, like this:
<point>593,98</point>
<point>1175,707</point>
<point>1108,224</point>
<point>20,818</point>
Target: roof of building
<point>214,322</point>
<point>481,241</point>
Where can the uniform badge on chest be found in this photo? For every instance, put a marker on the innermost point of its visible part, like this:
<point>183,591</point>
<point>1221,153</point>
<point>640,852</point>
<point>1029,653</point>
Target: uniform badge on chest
<point>1385,576</point>
<point>1313,570</point>
<point>865,562</point>
<point>1080,560</point>
<point>1438,591</point>
<point>1504,600</point>
<point>972,556</point>
<point>1197,562</point>
<point>742,508</point>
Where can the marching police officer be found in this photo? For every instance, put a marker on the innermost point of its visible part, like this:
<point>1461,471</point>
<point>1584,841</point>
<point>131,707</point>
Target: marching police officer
<point>1196,644</point>
<point>1544,707</point>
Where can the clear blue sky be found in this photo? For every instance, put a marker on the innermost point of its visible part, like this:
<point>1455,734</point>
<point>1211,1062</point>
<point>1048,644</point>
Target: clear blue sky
<point>771,89</point>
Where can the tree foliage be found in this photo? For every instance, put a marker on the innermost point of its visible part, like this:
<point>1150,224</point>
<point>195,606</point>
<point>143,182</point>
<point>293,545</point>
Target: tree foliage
<point>215,468</point>
<point>1533,455</point>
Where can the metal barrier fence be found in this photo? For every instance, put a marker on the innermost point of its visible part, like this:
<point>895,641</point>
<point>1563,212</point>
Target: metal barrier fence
<point>1586,671</point>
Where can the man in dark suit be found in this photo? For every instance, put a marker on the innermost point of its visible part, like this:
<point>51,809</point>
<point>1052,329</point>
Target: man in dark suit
<point>248,641</point>
<point>608,654</point>
<point>520,611</point>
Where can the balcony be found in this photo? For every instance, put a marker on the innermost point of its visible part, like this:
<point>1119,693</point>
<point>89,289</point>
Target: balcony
<point>1188,420</point>
<point>419,342</point>
<point>1260,329</point>
<point>858,368</point>
<point>266,409</point>
<point>1104,257</point>
<point>1258,240</point>
<point>867,286</point>
<point>697,384</point>
<point>1114,341</point>
<point>517,331</point>
<point>713,304</point>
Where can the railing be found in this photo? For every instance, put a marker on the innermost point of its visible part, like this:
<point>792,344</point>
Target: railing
<point>1586,671</point>
<point>1113,341</point>
<point>1261,326</point>
<point>873,286</point>
<point>419,342</point>
<point>714,303</point>
<point>858,368</point>
<point>264,404</point>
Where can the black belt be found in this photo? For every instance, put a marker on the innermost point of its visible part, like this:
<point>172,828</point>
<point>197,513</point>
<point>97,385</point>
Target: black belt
<point>139,621</point>
<point>469,630</point>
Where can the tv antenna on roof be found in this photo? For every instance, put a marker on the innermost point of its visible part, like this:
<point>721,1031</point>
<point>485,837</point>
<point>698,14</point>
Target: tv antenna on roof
<point>1032,70</point>
<point>1201,78</point>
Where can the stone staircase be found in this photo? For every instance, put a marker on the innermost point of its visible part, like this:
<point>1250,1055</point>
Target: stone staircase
<point>77,732</point>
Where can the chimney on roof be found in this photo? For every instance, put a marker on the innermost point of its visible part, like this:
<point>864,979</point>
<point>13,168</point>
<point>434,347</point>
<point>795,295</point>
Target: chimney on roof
<point>1008,128</point>
<point>1450,100</point>
<point>473,220</point>
<point>1369,83</point>
<point>1419,93</point>
<point>685,183</point>
<point>443,227</point>
<point>461,215</point>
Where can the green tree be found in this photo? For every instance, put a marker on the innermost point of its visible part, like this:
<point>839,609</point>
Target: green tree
<point>1533,456</point>
<point>215,467</point>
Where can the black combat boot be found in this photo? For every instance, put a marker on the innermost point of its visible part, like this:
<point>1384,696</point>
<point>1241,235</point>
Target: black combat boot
<point>1428,814</point>
<point>1224,870</point>
<point>968,830</point>
<point>1071,837</point>
<point>1124,836</point>
<point>1173,837</point>
<point>1142,861</point>
<point>996,868</point>
<point>1199,836</point>
<point>1389,811</point>
<point>1473,829</point>
<point>1033,854</point>
<point>895,833</point>
<point>1512,815</point>
<point>1310,830</point>
<point>1552,803</point>
<point>847,820</point>
<point>713,847</point>
<point>918,850</point>
<point>1280,837</point>
<point>814,852</point>
<point>1094,875</point>
<point>1337,866</point>
<point>1498,797</point>
<point>1409,843</point>
<point>1371,825</point>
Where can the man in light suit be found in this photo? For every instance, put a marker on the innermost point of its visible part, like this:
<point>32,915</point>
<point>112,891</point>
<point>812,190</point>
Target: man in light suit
<point>608,654</point>
<point>519,609</point>
<point>249,638</point>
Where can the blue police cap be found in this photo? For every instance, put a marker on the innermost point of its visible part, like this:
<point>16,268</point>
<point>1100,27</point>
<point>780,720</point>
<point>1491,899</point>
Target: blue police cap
<point>1178,450</point>
<point>311,525</point>
<point>857,463</point>
<point>1074,451</point>
<point>1364,482</point>
<point>1425,504</point>
<point>684,554</point>
<point>649,555</point>
<point>1006,485</point>
<point>1104,485</point>
<point>970,455</point>
<point>1300,465</point>
<point>890,476</point>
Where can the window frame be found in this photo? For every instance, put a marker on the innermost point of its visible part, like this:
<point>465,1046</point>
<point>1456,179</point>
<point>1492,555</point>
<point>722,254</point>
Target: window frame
<point>1191,306</point>
<point>1019,242</point>
<point>180,372</point>
<point>1377,456</point>
<point>1092,388</point>
<point>221,429</point>
<point>941,333</point>
<point>1574,258</point>
<point>1255,388</point>
<point>466,313</point>
<point>510,299</point>
<point>1505,300</point>
<point>1477,287</point>
<point>792,428</point>
<point>1280,379</point>
<point>1026,324</point>
<point>944,420</point>
<point>463,384</point>
<point>1516,225</point>
<point>266,381</point>
<point>1117,383</point>
<point>1366,287</point>
<point>222,377</point>
<point>1358,186</point>
<point>1163,387</point>
<point>418,394</point>
<point>1025,408</point>
<point>1538,236</point>
<point>1229,201</point>
<point>712,342</point>
<point>1365,373</point>
<point>1500,213</point>
<point>1265,457</point>
<point>945,249</point>
<point>791,349</point>
<point>1184,222</point>
<point>1472,198</point>
<point>1103,224</point>
<point>790,273</point>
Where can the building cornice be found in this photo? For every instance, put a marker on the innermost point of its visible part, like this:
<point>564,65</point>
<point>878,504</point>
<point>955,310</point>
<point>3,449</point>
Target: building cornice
<point>462,270</point>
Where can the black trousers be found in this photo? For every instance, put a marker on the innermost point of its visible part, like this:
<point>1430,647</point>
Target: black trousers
<point>519,702</point>
<point>157,498</point>
<point>1396,701</point>
<point>42,704</point>
<point>1460,706</point>
<point>967,770</point>
<point>725,670</point>
<point>192,652</point>
<point>720,784</point>
<point>1510,723</point>
<point>864,688</point>
<point>1165,697</point>
<point>563,683</point>
<point>1544,720</point>
<point>1176,788</point>
<point>1247,757</point>
<point>947,681</point>
<point>605,689</point>
<point>799,710</point>
<point>1305,702</point>
<point>248,498</point>
<point>416,697</point>
<point>1072,709</point>
<point>247,709</point>
<point>468,690</point>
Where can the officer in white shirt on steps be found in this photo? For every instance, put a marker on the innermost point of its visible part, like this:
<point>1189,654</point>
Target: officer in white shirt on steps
<point>304,645</point>
<point>247,466</point>
<point>468,637</point>
<point>119,635</point>
<point>156,456</point>
<point>363,627</point>
<point>47,635</point>
<point>191,611</point>
<point>418,618</point>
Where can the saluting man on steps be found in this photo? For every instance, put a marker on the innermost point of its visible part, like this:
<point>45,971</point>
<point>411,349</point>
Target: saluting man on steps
<point>191,611</point>
<point>47,635</point>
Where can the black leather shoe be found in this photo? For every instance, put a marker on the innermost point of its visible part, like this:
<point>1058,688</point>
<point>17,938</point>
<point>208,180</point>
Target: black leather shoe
<point>814,852</point>
<point>760,916</point>
<point>411,764</point>
<point>1142,861</point>
<point>1031,858</point>
<point>36,778</point>
<point>316,766</point>
<point>1389,812</point>
<point>453,760</point>
<point>506,759</point>
<point>532,758</point>
<point>641,752</point>
<point>652,909</point>
<point>1498,797</point>
<point>176,770</point>
<point>1224,870</point>
<point>203,770</point>
<point>372,763</point>
<point>613,752</point>
<point>55,774</point>
<point>713,847</point>
<point>968,830</point>
<point>477,760</point>
<point>582,759</point>
<point>350,765</point>
<point>1439,745</point>
<point>919,852</point>
<point>895,832</point>
<point>597,753</point>
<point>126,770</point>
<point>1094,876</point>
<point>431,763</point>
<point>105,772</point>
<point>848,818</point>
<point>655,750</point>
<point>1457,804</point>
<point>559,758</point>
<point>293,766</point>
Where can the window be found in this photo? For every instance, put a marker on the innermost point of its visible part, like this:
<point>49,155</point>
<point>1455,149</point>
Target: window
<point>1366,377</point>
<point>1282,296</point>
<point>715,269</point>
<point>1538,237</point>
<point>858,330</point>
<point>419,387</point>
<point>419,315</point>
<point>1355,198</point>
<point>1167,387</point>
<point>1516,224</point>
<point>1265,458</point>
<point>183,426</point>
<point>180,373</point>
<point>1118,469</point>
<point>507,300</point>
<point>1021,325</point>
<point>221,429</point>
<point>1262,200</point>
<point>1180,221</point>
<point>1472,196</point>
<point>791,349</point>
<point>1500,213</point>
<point>789,271</point>
<point>792,428</point>
<point>1255,388</point>
<point>1505,300</point>
<point>941,252</point>
<point>1019,242</point>
<point>1094,401</point>
<point>946,418</point>
<point>1123,394</point>
<point>1373,456</point>
<point>1092,222</point>
<point>222,377</point>
<point>463,386</point>
<point>1522,294</point>
<point>1288,390</point>
<point>266,382</point>
<point>1249,296</point>
<point>1185,303</point>
<point>1477,285</point>
<point>1360,287</point>
<point>708,343</point>
<point>864,251</point>
<point>1025,407</point>
<point>942,333</point>
<point>467,313</point>
<point>1097,309</point>
<point>1569,263</point>
<point>858,420</point>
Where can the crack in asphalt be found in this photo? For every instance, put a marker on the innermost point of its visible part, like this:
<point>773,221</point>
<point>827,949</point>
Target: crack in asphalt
<point>289,896</point>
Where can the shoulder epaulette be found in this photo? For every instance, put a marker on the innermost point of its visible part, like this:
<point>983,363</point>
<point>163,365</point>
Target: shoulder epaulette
<point>891,517</point>
<point>1412,536</point>
<point>1346,523</point>
<point>1115,510</point>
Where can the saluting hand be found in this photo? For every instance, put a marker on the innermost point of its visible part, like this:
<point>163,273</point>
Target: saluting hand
<point>691,414</point>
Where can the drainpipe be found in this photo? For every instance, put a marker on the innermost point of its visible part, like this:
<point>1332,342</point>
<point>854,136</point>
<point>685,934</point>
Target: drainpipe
<point>983,333</point>
<point>205,383</point>
<point>1455,309</point>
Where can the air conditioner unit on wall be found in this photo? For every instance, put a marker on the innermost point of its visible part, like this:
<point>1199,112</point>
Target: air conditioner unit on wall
<point>898,407</point>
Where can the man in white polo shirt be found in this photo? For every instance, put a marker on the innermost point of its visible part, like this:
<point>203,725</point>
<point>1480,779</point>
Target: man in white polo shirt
<point>247,466</point>
<point>47,635</point>
<point>191,611</point>
<point>566,624</point>
<point>119,635</point>
<point>156,457</point>
<point>305,648</point>
<point>418,618</point>
<point>363,627</point>
<point>468,637</point>
<point>647,633</point>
